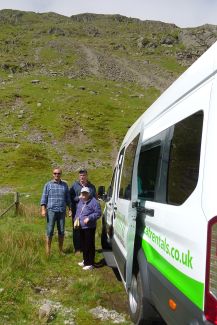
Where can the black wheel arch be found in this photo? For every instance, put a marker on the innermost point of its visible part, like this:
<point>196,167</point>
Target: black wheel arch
<point>146,312</point>
<point>143,267</point>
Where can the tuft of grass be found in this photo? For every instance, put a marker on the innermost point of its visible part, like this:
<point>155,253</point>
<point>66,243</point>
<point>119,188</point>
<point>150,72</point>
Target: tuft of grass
<point>171,64</point>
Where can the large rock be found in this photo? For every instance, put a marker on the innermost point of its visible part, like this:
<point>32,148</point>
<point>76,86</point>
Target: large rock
<point>45,312</point>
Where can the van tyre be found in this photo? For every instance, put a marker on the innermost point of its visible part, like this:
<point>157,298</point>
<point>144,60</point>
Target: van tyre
<point>141,311</point>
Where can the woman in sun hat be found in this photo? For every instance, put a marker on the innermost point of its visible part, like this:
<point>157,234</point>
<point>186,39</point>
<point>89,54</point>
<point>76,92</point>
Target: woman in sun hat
<point>88,211</point>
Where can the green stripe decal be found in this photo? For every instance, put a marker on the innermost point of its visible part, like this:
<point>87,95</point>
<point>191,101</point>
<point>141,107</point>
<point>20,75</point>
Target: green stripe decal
<point>191,288</point>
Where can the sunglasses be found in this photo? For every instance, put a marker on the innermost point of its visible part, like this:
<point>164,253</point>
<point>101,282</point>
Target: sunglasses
<point>57,173</point>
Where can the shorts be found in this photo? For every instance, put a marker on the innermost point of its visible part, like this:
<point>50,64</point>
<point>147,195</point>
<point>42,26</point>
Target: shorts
<point>58,218</point>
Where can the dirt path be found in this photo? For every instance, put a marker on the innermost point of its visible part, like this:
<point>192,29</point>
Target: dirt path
<point>121,69</point>
<point>91,58</point>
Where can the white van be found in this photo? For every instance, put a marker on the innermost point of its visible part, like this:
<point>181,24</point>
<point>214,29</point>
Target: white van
<point>160,218</point>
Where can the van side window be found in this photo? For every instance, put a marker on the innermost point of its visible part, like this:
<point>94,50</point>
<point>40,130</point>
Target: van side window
<point>184,159</point>
<point>127,171</point>
<point>111,186</point>
<point>147,172</point>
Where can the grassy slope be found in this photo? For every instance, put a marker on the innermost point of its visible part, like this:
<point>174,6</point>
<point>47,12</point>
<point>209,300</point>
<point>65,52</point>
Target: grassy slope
<point>53,112</point>
<point>64,110</point>
<point>28,278</point>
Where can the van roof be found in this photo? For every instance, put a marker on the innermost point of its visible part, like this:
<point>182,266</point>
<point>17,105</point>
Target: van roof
<point>202,69</point>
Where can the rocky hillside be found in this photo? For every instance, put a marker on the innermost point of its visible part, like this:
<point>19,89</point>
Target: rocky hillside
<point>70,87</point>
<point>108,47</point>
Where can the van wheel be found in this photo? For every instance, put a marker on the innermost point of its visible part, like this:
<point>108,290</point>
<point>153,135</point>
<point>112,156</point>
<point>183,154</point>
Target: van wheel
<point>141,311</point>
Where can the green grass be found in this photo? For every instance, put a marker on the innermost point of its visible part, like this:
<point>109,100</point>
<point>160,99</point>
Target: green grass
<point>170,64</point>
<point>24,268</point>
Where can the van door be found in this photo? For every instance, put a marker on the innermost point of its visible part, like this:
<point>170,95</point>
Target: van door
<point>173,238</point>
<point>110,200</point>
<point>108,215</point>
<point>125,213</point>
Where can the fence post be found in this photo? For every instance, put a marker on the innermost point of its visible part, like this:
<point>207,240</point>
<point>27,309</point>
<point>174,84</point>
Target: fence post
<point>16,202</point>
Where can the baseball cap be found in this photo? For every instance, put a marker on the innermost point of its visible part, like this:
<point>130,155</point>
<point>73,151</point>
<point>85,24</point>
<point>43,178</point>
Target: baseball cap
<point>85,189</point>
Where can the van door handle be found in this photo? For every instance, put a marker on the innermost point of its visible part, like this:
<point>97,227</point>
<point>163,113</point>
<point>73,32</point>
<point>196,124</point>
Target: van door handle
<point>149,212</point>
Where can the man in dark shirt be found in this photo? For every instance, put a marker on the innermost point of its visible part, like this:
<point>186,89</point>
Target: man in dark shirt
<point>75,192</point>
<point>55,198</point>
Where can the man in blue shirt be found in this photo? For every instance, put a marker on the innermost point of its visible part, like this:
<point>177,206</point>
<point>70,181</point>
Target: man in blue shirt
<point>55,198</point>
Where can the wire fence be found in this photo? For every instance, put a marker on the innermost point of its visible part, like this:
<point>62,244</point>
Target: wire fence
<point>9,201</point>
<point>26,205</point>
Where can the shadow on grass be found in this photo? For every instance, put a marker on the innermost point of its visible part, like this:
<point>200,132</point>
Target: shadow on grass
<point>109,262</point>
<point>68,250</point>
<point>100,264</point>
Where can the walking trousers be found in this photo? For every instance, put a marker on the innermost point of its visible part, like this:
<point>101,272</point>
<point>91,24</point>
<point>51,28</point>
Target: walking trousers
<point>88,245</point>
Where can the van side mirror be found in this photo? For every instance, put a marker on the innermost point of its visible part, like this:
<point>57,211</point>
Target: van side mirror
<point>101,192</point>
